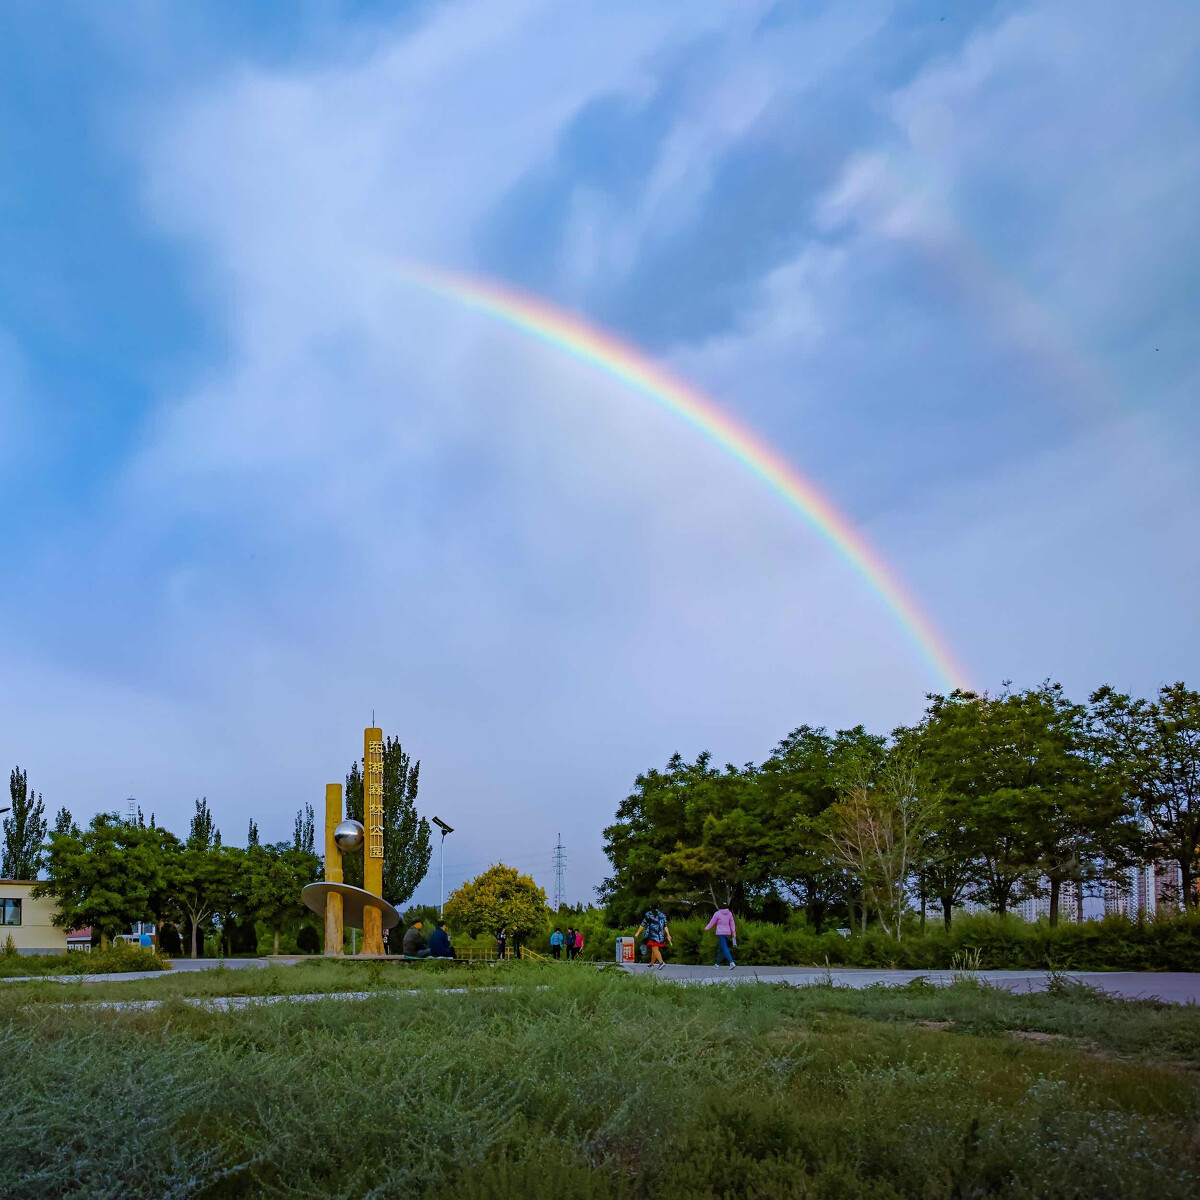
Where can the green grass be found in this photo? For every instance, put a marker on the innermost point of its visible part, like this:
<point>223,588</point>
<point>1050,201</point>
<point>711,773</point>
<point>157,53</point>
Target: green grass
<point>586,1084</point>
<point>121,957</point>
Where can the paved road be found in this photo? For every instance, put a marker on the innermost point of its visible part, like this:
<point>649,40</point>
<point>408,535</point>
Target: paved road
<point>1173,987</point>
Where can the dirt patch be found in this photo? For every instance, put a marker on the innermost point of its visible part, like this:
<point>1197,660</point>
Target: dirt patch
<point>1037,1036</point>
<point>936,1024</point>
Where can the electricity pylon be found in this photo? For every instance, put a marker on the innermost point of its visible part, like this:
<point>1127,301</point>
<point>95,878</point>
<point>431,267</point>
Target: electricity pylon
<point>560,871</point>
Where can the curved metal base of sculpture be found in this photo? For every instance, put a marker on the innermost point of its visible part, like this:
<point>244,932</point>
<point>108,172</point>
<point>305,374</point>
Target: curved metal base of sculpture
<point>355,901</point>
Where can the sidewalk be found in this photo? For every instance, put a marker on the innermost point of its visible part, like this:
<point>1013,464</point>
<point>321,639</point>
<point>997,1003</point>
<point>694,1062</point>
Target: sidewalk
<point>1174,987</point>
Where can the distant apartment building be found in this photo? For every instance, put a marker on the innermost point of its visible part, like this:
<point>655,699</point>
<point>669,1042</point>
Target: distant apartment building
<point>1070,903</point>
<point>1145,890</point>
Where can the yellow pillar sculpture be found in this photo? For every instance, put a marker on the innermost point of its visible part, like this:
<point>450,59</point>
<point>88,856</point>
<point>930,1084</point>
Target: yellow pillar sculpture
<point>333,869</point>
<point>373,847</point>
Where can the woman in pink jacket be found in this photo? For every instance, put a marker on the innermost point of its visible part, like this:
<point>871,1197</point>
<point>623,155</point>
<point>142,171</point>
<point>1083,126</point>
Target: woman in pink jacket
<point>725,925</point>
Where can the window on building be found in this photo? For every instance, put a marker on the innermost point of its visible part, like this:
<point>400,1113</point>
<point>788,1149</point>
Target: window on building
<point>10,912</point>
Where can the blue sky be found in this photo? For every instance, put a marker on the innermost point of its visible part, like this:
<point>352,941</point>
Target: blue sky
<point>943,257</point>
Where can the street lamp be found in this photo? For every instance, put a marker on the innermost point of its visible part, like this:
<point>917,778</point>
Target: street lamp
<point>442,861</point>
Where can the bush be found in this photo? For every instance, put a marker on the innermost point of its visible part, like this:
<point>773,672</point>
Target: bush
<point>1166,944</point>
<point>121,957</point>
<point>307,940</point>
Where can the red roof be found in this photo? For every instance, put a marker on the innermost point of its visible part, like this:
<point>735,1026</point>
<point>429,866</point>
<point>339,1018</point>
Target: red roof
<point>77,935</point>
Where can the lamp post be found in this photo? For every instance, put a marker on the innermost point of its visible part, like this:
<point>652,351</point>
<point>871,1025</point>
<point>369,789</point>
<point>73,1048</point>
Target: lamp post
<point>442,863</point>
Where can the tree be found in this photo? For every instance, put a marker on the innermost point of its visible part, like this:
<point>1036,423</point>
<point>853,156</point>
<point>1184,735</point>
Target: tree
<point>406,840</point>
<point>723,857</point>
<point>203,833</point>
<point>252,833</point>
<point>304,831</point>
<point>500,898</point>
<point>202,884</point>
<point>1001,763</point>
<point>878,829</point>
<point>110,875</point>
<point>64,822</point>
<point>798,785</point>
<point>274,878</point>
<point>352,864</point>
<point>24,830</point>
<point>1152,749</point>
<point>688,836</point>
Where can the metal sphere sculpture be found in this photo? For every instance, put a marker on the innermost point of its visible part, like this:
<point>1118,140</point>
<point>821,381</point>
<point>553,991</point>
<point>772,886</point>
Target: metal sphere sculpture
<point>349,836</point>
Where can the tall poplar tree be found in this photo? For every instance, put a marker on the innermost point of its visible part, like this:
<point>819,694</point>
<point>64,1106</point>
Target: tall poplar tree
<point>24,830</point>
<point>406,839</point>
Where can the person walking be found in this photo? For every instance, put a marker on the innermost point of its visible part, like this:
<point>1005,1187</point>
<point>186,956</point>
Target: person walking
<point>578,942</point>
<point>654,926</point>
<point>724,924</point>
<point>570,940</point>
<point>501,942</point>
<point>556,943</point>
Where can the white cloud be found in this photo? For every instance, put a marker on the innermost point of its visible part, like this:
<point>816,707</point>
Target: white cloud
<point>381,502</point>
<point>377,500</point>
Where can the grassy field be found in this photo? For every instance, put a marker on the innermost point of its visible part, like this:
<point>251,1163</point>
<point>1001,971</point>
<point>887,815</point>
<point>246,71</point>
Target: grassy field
<point>574,1083</point>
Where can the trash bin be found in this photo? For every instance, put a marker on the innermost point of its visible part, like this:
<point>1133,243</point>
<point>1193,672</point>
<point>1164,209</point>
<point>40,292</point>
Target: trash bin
<point>626,950</point>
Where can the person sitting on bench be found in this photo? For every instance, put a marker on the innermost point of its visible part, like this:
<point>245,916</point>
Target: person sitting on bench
<point>413,945</point>
<point>439,942</point>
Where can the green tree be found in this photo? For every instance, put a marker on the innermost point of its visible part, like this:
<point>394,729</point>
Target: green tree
<point>688,836</point>
<point>63,821</point>
<point>352,864</point>
<point>202,885</point>
<point>252,833</point>
<point>999,762</point>
<point>236,916</point>
<point>878,832</point>
<point>110,875</point>
<point>203,833</point>
<point>24,830</point>
<point>798,784</point>
<point>1151,748</point>
<point>1024,798</point>
<point>304,831</point>
<point>500,898</point>
<point>273,881</point>
<point>406,840</point>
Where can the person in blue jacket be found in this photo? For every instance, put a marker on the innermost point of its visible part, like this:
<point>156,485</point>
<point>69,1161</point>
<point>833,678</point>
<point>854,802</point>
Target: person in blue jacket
<point>439,942</point>
<point>556,943</point>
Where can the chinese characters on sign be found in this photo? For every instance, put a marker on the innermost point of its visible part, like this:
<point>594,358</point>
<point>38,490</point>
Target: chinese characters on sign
<point>374,806</point>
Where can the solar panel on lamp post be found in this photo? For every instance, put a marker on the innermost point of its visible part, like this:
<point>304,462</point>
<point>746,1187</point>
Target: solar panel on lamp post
<point>442,864</point>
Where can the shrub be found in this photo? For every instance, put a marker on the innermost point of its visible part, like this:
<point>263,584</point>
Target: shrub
<point>1167,944</point>
<point>307,940</point>
<point>120,957</point>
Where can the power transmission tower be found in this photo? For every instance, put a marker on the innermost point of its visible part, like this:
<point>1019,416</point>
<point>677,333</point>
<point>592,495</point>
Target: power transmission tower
<point>560,871</point>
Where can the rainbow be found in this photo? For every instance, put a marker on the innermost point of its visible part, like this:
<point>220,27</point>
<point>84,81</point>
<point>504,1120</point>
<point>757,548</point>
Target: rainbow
<point>572,335</point>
